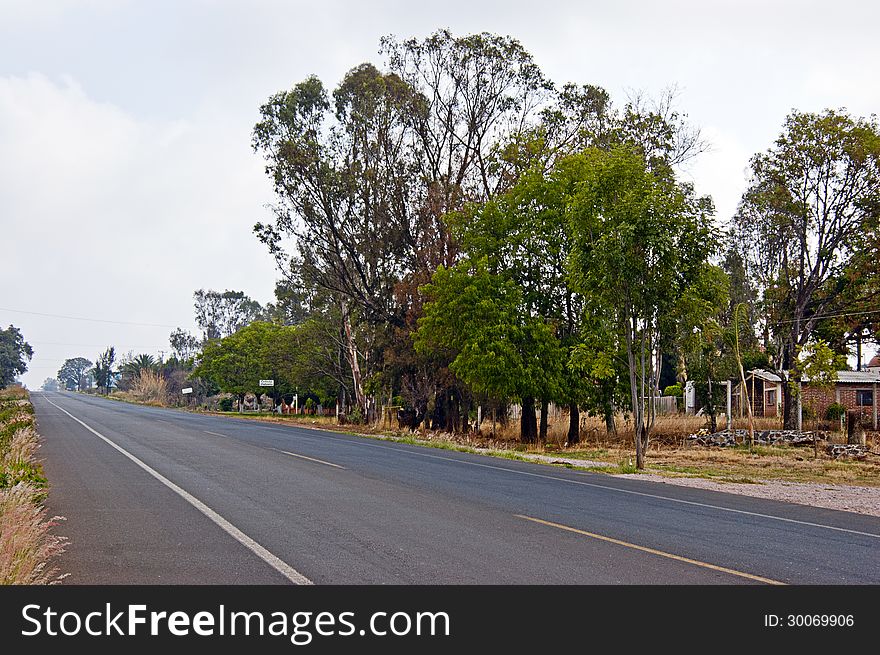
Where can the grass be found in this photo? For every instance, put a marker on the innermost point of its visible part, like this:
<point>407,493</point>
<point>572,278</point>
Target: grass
<point>26,542</point>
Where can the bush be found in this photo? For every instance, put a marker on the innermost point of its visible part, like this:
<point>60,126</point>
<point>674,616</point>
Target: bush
<point>673,390</point>
<point>835,412</point>
<point>225,404</point>
<point>150,386</point>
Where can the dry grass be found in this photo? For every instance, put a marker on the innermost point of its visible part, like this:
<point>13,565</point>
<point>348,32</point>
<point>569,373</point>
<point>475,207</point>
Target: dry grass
<point>149,387</point>
<point>26,542</point>
<point>13,392</point>
<point>671,454</point>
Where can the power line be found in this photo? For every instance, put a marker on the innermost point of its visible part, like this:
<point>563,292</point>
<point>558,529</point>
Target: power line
<point>82,318</point>
<point>84,345</point>
<point>830,315</point>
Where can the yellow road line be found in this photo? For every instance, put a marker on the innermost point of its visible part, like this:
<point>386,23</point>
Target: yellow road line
<point>653,551</point>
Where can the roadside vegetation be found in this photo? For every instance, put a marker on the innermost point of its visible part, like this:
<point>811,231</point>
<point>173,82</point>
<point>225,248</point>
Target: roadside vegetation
<point>27,542</point>
<point>461,240</point>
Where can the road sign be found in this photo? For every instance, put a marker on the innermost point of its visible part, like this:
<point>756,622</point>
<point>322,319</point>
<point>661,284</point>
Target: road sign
<point>187,390</point>
<point>267,383</point>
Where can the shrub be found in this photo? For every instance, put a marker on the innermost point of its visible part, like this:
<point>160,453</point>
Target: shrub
<point>673,390</point>
<point>225,404</point>
<point>150,386</point>
<point>835,412</point>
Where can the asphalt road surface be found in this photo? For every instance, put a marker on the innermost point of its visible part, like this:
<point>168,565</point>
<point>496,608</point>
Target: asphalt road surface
<point>156,496</point>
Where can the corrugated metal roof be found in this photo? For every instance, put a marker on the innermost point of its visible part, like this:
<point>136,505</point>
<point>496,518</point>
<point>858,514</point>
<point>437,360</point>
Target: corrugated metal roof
<point>866,377</point>
<point>846,377</point>
<point>761,374</point>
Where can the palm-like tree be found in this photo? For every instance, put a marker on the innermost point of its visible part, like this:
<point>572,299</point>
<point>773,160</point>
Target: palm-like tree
<point>133,367</point>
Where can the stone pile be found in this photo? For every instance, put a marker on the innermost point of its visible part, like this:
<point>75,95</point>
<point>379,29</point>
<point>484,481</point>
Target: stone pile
<point>762,437</point>
<point>855,451</point>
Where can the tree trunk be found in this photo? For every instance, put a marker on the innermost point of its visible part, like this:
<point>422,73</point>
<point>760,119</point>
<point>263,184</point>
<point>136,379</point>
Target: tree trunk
<point>855,433</point>
<point>528,421</point>
<point>359,396</point>
<point>545,409</point>
<point>453,412</point>
<point>636,393</point>
<point>789,410</point>
<point>574,424</point>
<point>610,425</point>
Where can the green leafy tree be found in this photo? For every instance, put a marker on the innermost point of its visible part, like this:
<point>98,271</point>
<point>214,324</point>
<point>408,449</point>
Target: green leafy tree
<point>640,240</point>
<point>495,346</point>
<point>818,364</point>
<point>15,353</point>
<point>72,373</point>
<point>811,201</point>
<point>103,369</point>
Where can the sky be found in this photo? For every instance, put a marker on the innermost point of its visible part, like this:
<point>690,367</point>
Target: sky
<point>127,178</point>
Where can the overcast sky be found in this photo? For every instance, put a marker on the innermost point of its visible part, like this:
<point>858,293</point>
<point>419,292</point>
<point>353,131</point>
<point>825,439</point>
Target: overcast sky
<point>126,175</point>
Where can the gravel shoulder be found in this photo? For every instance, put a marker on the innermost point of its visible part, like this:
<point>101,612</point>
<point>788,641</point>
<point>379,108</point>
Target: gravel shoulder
<point>848,498</point>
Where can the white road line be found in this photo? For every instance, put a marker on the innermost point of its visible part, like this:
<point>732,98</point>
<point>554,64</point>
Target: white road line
<point>272,560</point>
<point>624,491</point>
<point>217,434</point>
<point>311,459</point>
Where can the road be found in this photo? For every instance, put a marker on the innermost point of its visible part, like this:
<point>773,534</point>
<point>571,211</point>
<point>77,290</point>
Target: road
<point>157,496</point>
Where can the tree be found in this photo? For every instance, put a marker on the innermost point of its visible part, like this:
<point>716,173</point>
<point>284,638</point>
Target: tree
<point>72,373</point>
<point>184,345</point>
<point>220,314</point>
<point>740,317</point>
<point>818,364</point>
<point>50,384</point>
<point>495,346</point>
<point>103,369</point>
<point>363,179</point>
<point>640,240</point>
<point>15,353</point>
<point>811,201</point>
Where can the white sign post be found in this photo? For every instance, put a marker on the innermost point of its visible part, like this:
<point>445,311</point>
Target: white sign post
<point>268,383</point>
<point>187,390</point>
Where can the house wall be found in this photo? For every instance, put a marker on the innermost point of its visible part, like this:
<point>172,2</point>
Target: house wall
<point>843,393</point>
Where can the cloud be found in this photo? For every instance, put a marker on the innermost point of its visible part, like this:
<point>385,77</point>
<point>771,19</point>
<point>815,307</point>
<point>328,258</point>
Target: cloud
<point>113,217</point>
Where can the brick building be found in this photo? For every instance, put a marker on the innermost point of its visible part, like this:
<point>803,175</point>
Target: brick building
<point>855,390</point>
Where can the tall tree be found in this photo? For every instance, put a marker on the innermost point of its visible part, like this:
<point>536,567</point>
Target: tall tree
<point>103,369</point>
<point>15,353</point>
<point>811,201</point>
<point>219,314</point>
<point>640,240</point>
<point>184,346</point>
<point>72,373</point>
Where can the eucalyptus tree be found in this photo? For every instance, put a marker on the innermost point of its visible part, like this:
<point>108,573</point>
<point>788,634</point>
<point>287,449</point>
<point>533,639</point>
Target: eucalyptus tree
<point>221,313</point>
<point>363,177</point>
<point>640,239</point>
<point>811,201</point>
